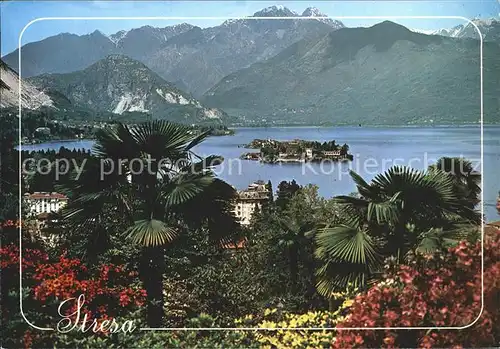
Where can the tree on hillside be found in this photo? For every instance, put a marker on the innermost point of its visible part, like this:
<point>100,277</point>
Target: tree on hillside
<point>9,176</point>
<point>294,223</point>
<point>285,192</point>
<point>269,187</point>
<point>279,252</point>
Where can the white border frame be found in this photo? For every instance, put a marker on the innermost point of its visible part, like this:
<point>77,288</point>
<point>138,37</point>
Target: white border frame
<point>254,18</point>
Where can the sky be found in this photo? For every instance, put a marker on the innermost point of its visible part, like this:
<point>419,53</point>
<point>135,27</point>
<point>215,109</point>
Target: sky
<point>15,15</point>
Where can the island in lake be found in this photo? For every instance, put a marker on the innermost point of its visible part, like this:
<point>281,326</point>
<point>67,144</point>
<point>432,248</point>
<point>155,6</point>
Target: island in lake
<point>297,150</point>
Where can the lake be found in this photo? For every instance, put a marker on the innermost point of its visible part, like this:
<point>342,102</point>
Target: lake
<point>375,149</point>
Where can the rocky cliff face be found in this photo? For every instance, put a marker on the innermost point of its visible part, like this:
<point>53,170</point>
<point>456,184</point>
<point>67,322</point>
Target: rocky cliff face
<point>31,97</point>
<point>120,84</point>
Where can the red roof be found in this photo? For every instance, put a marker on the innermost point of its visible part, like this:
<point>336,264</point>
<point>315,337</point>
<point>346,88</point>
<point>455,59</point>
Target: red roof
<point>40,195</point>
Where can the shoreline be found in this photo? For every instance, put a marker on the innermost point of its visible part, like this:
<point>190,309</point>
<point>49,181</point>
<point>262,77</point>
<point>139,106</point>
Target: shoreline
<point>284,127</point>
<point>93,139</point>
<point>366,126</point>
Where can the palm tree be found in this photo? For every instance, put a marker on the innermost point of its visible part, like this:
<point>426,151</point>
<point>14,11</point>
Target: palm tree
<point>401,211</point>
<point>466,180</point>
<point>146,180</point>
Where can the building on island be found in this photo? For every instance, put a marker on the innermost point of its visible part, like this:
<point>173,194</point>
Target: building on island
<point>309,153</point>
<point>249,200</point>
<point>251,156</point>
<point>331,153</point>
<point>44,203</point>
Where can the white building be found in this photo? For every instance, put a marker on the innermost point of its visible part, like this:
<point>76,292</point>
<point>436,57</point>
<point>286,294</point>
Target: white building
<point>331,153</point>
<point>43,130</point>
<point>41,202</point>
<point>250,200</point>
<point>309,153</point>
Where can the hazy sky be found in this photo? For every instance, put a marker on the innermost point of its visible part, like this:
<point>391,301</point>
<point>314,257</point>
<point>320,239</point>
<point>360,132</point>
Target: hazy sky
<point>16,14</point>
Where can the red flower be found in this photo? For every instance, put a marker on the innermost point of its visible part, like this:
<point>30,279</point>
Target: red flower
<point>448,293</point>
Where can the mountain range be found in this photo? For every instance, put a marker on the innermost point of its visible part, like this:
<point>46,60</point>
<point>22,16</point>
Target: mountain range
<point>194,58</point>
<point>385,74</point>
<point>306,70</point>
<point>489,28</point>
<point>120,84</point>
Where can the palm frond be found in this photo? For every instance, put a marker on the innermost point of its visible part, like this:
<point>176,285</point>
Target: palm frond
<point>365,190</point>
<point>347,244</point>
<point>115,143</point>
<point>386,212</point>
<point>161,138</point>
<point>197,140</point>
<point>184,187</point>
<point>334,277</point>
<point>436,239</point>
<point>360,182</point>
<point>350,200</point>
<point>212,208</point>
<point>349,255</point>
<point>150,232</point>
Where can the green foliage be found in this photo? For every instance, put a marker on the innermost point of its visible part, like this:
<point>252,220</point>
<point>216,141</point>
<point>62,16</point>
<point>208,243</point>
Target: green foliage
<point>163,339</point>
<point>270,318</point>
<point>434,290</point>
<point>285,192</point>
<point>9,160</point>
<point>270,149</point>
<point>466,181</point>
<point>401,211</point>
<point>152,200</point>
<point>280,247</point>
<point>174,226</point>
<point>63,124</point>
<point>54,170</point>
<point>364,55</point>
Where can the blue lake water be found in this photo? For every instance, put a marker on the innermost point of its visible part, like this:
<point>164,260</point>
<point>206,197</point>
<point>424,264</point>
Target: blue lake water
<point>375,149</point>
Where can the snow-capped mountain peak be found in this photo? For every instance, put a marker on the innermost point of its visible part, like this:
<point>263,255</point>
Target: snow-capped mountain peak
<point>489,28</point>
<point>276,11</point>
<point>160,34</point>
<point>115,38</point>
<point>314,12</point>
